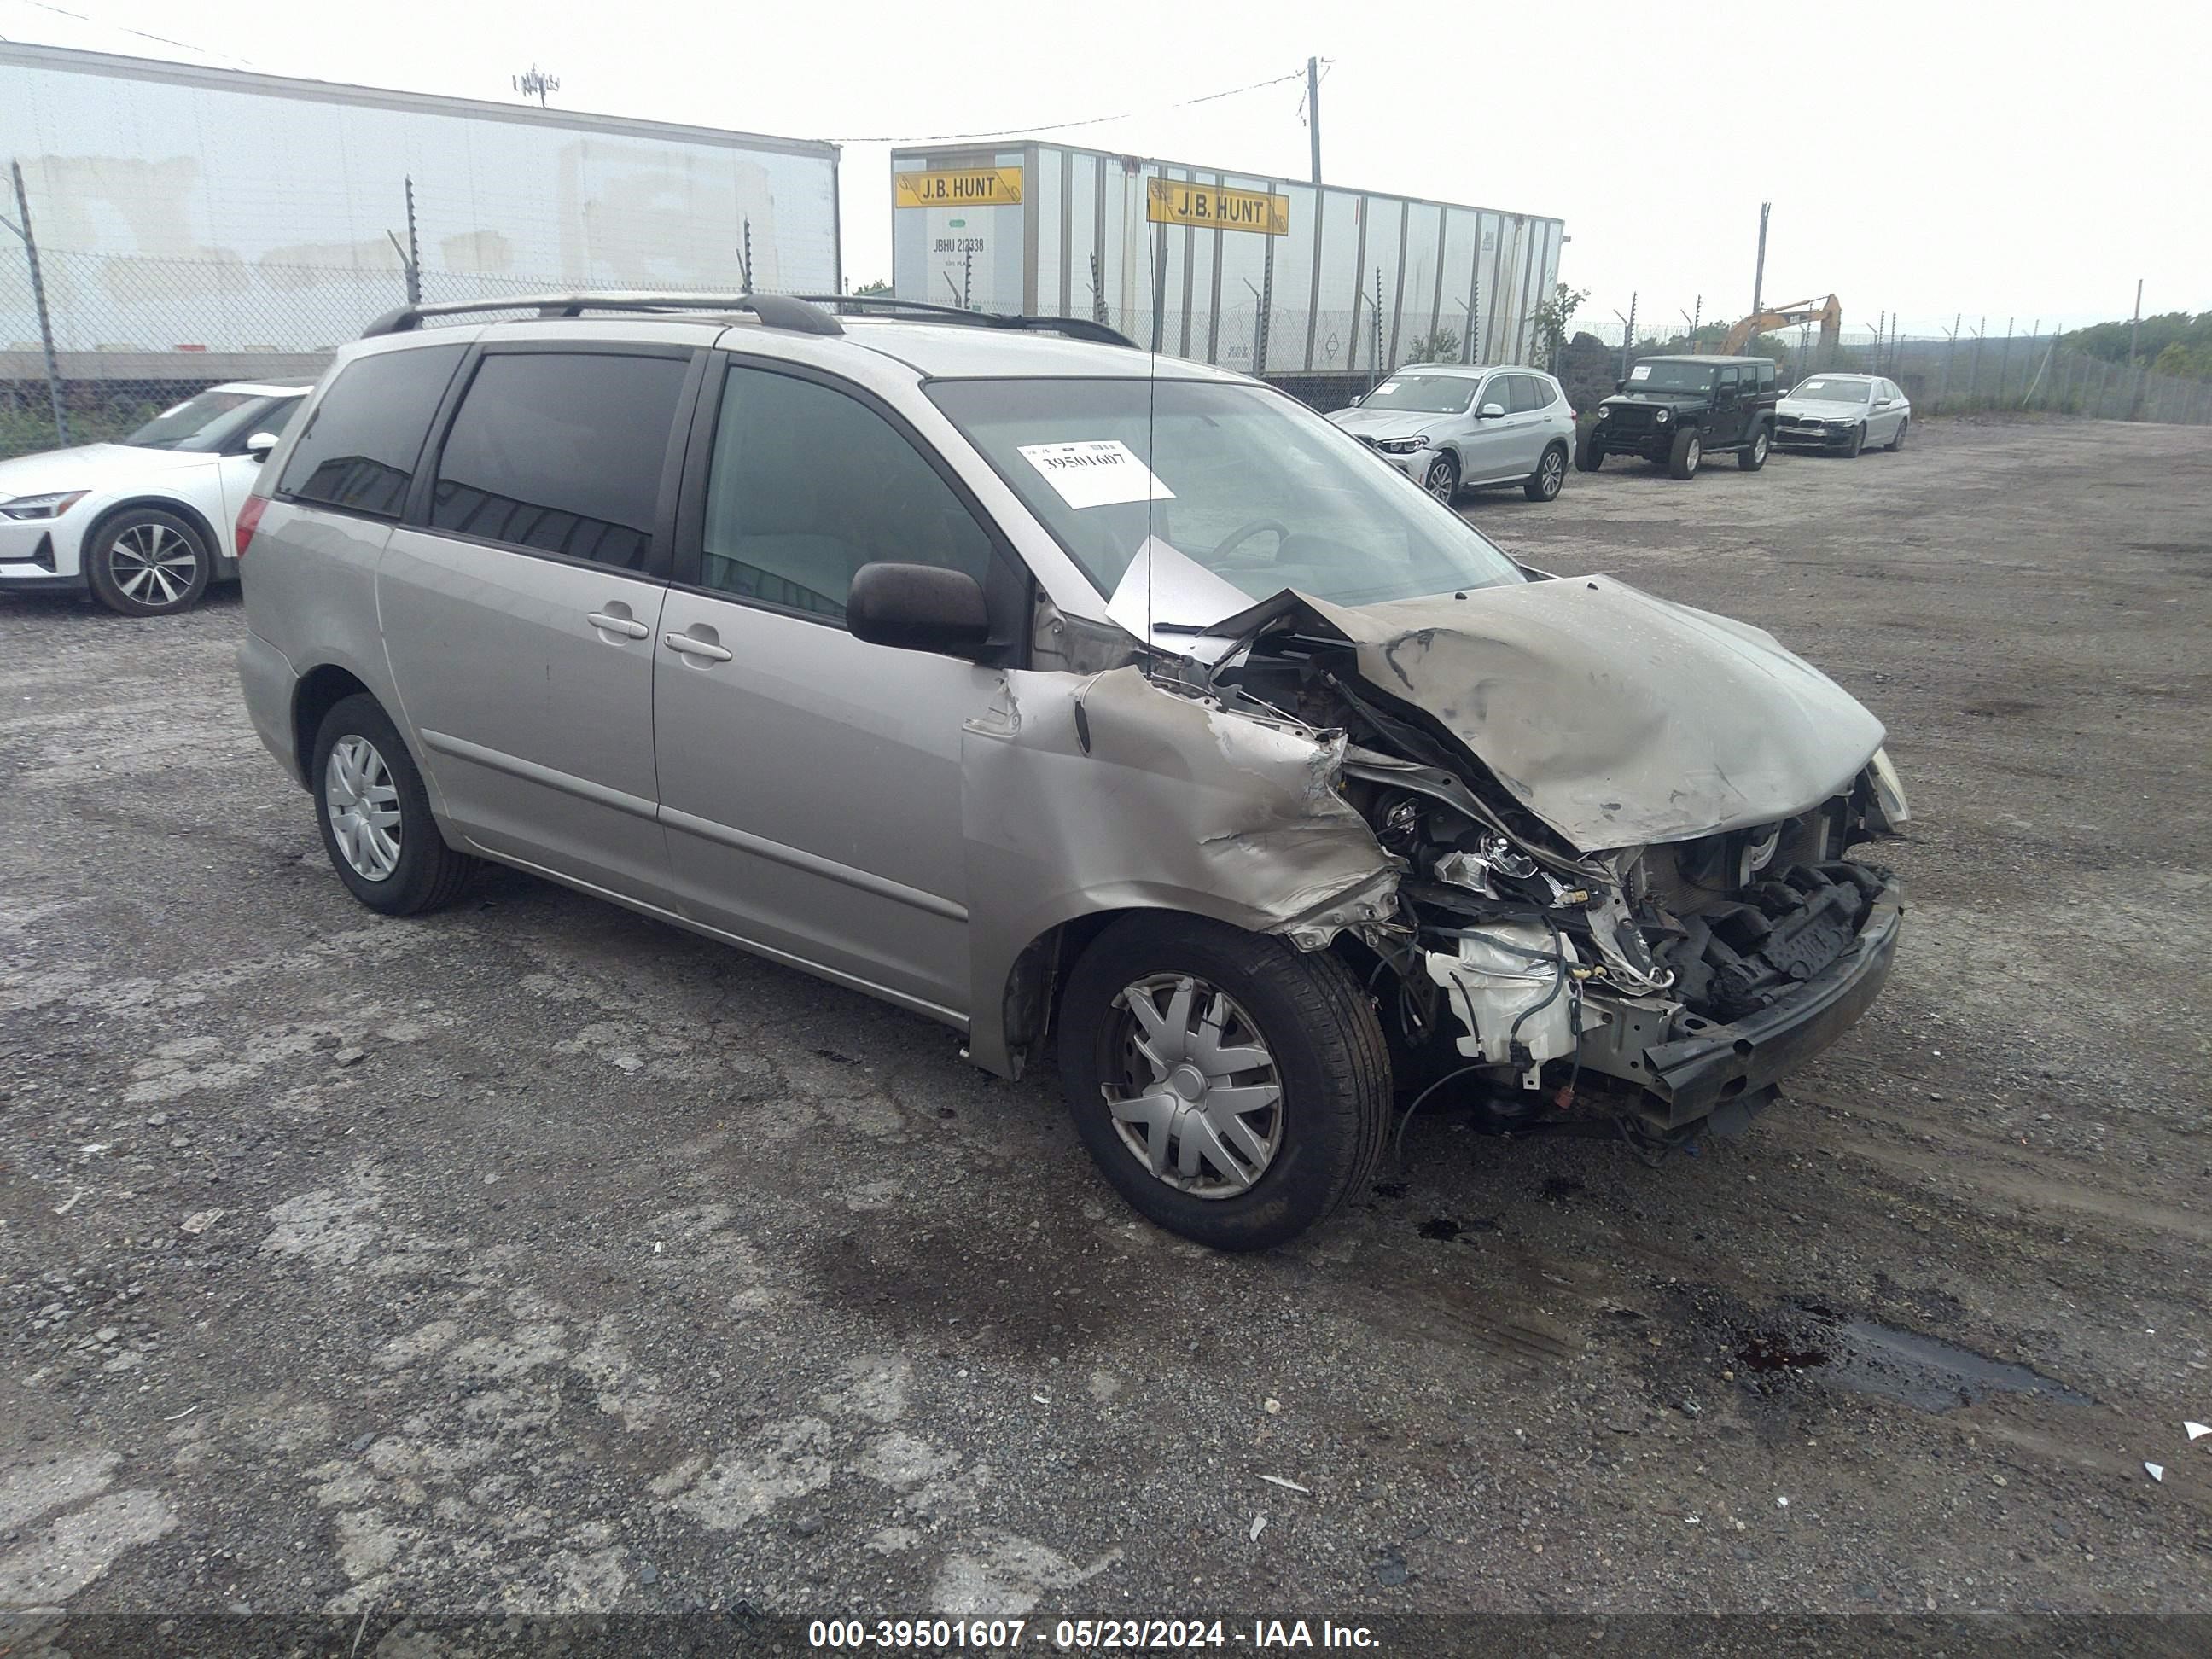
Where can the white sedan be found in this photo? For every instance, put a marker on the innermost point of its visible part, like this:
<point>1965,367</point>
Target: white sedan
<point>145,524</point>
<point>1845,413</point>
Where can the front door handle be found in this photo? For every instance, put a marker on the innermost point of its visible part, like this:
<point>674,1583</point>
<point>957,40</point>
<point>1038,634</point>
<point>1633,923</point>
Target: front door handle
<point>691,645</point>
<point>629,627</point>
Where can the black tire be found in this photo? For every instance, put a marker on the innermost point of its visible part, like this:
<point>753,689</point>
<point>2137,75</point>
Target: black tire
<point>1685,454</point>
<point>1442,479</point>
<point>144,562</point>
<point>1543,484</point>
<point>1897,442</point>
<point>1328,1052</point>
<point>1753,455</point>
<point>1589,454</point>
<point>1854,443</point>
<point>428,874</point>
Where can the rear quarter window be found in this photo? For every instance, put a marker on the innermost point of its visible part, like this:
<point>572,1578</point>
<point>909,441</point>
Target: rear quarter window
<point>358,450</point>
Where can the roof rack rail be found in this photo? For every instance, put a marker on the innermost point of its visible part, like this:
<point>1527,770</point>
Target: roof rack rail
<point>783,310</point>
<point>1075,328</point>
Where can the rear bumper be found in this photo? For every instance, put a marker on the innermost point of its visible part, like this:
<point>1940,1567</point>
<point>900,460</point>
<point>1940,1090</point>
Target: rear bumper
<point>1691,1076</point>
<point>265,676</point>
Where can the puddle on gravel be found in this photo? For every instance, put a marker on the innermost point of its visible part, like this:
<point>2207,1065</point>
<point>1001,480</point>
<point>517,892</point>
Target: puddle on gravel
<point>1922,1371</point>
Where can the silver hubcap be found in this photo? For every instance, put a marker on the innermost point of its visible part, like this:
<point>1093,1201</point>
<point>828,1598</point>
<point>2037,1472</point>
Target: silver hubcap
<point>364,807</point>
<point>1195,1092</point>
<point>1441,482</point>
<point>1690,456</point>
<point>1555,467</point>
<point>153,564</point>
<point>1759,447</point>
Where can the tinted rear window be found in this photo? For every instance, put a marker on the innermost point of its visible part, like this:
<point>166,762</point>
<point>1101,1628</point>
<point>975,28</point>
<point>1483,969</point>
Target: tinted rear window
<point>561,452</point>
<point>360,447</point>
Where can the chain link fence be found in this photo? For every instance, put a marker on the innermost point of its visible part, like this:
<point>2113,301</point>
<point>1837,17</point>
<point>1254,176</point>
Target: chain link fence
<point>132,336</point>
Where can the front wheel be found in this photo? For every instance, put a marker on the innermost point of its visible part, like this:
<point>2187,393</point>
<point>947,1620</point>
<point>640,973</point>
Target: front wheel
<point>1854,443</point>
<point>1753,455</point>
<point>147,562</point>
<point>375,815</point>
<point>1682,459</point>
<point>1543,484</point>
<point>1442,480</point>
<point>1589,454</point>
<point>1897,442</point>
<point>1233,1089</point>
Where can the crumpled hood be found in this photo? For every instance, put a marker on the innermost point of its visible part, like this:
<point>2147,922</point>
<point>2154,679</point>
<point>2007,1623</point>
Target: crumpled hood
<point>1820,409</point>
<point>1617,718</point>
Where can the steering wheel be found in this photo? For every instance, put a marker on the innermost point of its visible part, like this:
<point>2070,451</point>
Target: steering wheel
<point>1236,538</point>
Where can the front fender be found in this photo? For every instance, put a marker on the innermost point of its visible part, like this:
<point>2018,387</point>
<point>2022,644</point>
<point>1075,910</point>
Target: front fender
<point>1084,794</point>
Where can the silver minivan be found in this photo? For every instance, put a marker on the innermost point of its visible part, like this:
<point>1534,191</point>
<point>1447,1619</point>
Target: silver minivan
<point>1118,712</point>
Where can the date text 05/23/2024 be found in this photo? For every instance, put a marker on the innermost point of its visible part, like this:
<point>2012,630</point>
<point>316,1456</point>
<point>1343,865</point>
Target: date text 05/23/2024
<point>1085,1634</point>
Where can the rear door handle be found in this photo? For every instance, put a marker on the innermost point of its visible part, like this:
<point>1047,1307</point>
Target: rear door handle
<point>628,626</point>
<point>691,647</point>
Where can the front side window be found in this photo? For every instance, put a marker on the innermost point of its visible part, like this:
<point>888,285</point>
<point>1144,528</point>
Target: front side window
<point>807,484</point>
<point>1252,488</point>
<point>561,452</point>
<point>359,449</point>
<point>1421,394</point>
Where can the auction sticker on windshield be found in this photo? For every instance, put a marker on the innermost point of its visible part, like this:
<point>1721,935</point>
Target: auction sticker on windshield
<point>1641,371</point>
<point>1096,472</point>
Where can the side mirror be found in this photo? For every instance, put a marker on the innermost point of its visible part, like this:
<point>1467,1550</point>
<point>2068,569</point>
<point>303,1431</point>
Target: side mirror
<point>1490,412</point>
<point>1357,399</point>
<point>1621,385</point>
<point>1881,403</point>
<point>918,607</point>
<point>260,444</point>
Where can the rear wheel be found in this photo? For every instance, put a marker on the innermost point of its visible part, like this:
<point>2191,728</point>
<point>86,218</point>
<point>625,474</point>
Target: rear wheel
<point>1543,484</point>
<point>1442,479</point>
<point>1589,454</point>
<point>1682,459</point>
<point>375,815</point>
<point>1753,455</point>
<point>146,562</point>
<point>1855,442</point>
<point>1897,442</point>
<point>1233,1089</point>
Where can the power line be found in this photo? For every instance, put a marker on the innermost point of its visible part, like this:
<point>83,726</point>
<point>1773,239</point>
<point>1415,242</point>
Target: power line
<point>162,39</point>
<point>1063,126</point>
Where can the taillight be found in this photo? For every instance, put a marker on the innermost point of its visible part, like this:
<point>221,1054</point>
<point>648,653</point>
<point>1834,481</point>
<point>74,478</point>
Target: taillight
<point>249,521</point>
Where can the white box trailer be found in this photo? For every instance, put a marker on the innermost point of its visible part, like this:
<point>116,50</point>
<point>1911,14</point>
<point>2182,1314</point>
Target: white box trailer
<point>185,208</point>
<point>1269,276</point>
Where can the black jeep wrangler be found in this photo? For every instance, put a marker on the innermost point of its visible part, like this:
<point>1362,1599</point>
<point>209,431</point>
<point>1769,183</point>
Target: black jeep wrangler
<point>1676,410</point>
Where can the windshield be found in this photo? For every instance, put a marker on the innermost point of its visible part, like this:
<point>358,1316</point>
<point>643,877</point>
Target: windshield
<point>213,421</point>
<point>1831,390</point>
<point>1422,394</point>
<point>1671,377</point>
<point>1251,493</point>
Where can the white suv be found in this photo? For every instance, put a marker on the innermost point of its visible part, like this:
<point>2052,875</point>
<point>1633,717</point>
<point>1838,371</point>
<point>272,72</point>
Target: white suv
<point>1451,427</point>
<point>145,523</point>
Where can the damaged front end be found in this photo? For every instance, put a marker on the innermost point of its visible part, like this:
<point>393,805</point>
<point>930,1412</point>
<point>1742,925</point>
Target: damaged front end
<point>1532,961</point>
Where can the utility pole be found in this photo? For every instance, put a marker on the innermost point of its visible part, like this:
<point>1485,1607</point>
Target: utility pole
<point>21,227</point>
<point>1627,335</point>
<point>1758,278</point>
<point>1313,112</point>
<point>2133,328</point>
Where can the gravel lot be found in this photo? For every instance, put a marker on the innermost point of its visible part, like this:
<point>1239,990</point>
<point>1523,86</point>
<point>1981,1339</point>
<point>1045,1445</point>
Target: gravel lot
<point>534,1257</point>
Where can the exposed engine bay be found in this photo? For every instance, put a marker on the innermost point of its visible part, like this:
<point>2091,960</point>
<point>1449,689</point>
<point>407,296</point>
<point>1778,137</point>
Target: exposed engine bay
<point>1655,983</point>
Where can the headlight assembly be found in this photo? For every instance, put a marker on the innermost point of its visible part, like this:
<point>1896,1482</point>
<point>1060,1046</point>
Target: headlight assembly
<point>42,507</point>
<point>1663,417</point>
<point>1401,446</point>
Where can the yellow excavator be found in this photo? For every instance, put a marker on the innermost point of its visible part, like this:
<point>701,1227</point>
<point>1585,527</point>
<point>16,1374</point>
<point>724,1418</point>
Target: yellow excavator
<point>1828,313</point>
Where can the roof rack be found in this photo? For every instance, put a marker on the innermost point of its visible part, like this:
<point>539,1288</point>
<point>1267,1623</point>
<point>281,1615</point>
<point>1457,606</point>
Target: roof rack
<point>1075,328</point>
<point>775,310</point>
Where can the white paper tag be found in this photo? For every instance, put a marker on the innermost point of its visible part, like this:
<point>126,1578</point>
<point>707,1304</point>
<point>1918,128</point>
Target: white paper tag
<point>1641,371</point>
<point>1387,385</point>
<point>1097,472</point>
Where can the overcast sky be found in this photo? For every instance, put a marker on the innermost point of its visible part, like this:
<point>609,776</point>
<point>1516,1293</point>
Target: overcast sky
<point>2002,160</point>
